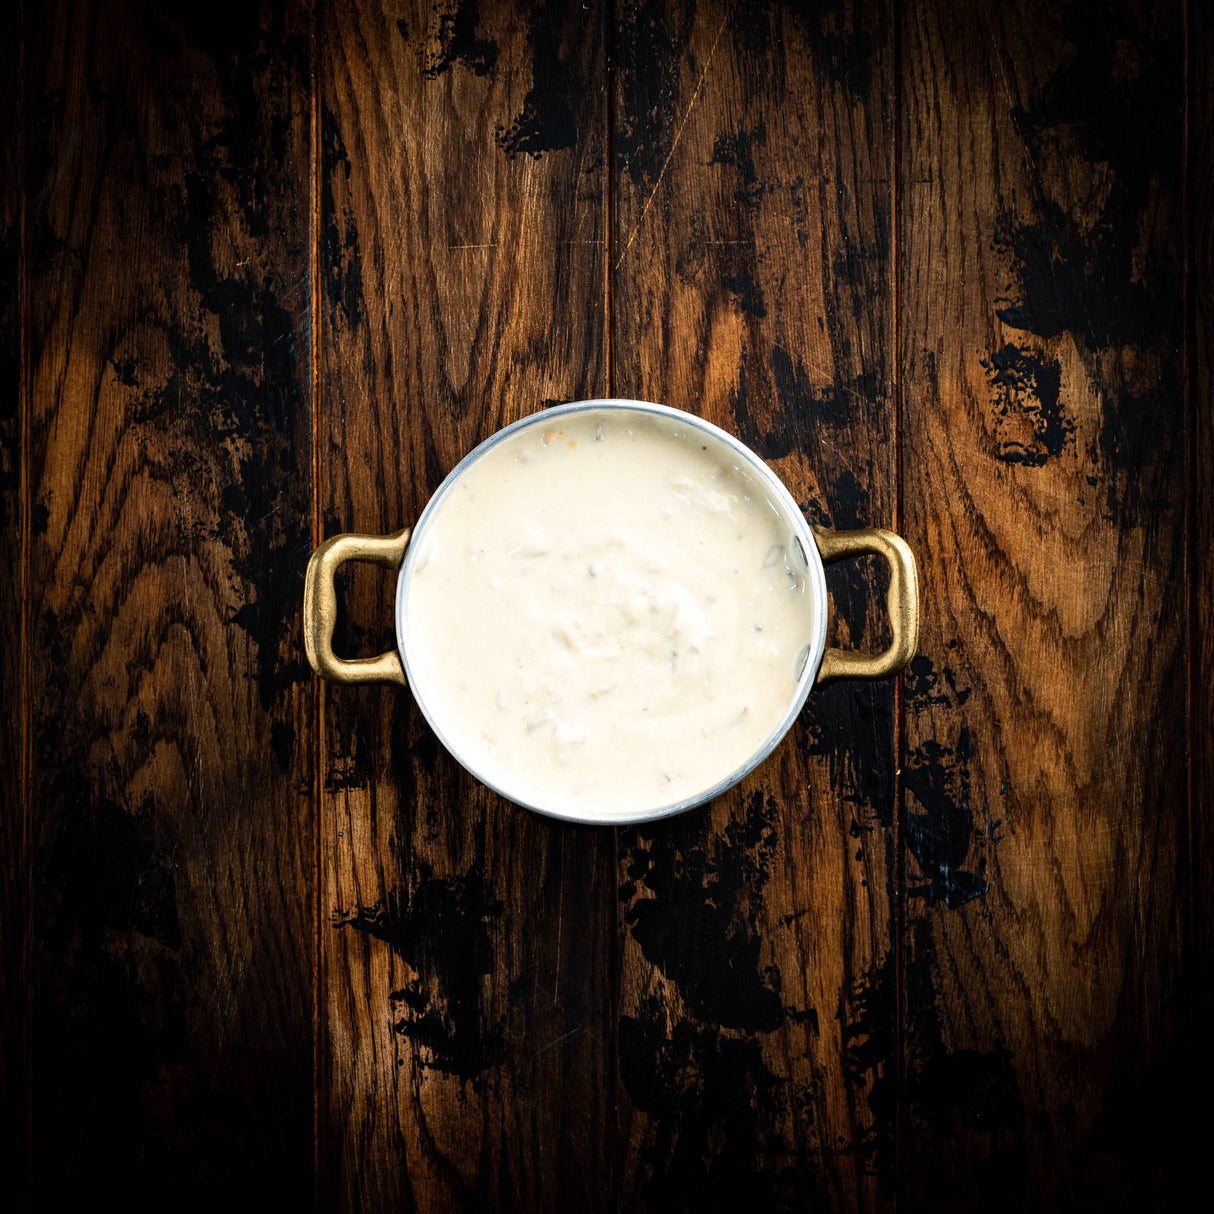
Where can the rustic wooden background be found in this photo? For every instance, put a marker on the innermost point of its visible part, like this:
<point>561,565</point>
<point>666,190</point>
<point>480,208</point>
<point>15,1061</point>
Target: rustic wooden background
<point>270,270</point>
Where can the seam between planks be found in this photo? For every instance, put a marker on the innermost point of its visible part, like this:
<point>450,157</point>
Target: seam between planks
<point>317,699</point>
<point>899,739</point>
<point>608,54</point>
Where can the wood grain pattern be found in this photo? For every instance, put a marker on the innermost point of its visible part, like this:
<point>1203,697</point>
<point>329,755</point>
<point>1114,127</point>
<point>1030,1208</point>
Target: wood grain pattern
<point>13,855</point>
<point>752,284</point>
<point>466,948</point>
<point>171,500</point>
<point>1044,456</point>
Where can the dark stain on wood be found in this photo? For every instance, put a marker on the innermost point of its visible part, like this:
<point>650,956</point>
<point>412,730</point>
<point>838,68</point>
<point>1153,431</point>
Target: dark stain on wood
<point>1032,426</point>
<point>546,122</point>
<point>845,725</point>
<point>832,406</point>
<point>343,256</point>
<point>1077,268</point>
<point>948,1091</point>
<point>842,48</point>
<point>1101,114</point>
<point>969,1092</point>
<point>923,689</point>
<point>940,833</point>
<point>455,39</point>
<point>747,294</point>
<point>943,826</point>
<point>440,929</point>
<point>682,893</point>
<point>649,44</point>
<point>717,1111</point>
<point>737,149</point>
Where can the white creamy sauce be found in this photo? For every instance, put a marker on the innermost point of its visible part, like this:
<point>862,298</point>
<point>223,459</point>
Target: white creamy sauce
<point>607,613</point>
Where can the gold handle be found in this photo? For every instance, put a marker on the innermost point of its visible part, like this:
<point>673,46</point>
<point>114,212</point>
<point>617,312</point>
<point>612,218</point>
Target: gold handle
<point>320,607</point>
<point>902,602</point>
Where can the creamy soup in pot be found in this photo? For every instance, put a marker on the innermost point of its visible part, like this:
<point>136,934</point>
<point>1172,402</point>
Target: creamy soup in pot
<point>607,613</point>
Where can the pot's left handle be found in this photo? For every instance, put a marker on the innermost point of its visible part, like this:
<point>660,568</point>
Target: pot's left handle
<point>320,607</point>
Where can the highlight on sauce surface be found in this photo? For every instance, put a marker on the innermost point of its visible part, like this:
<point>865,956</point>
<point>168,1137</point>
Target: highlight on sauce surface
<point>607,613</point>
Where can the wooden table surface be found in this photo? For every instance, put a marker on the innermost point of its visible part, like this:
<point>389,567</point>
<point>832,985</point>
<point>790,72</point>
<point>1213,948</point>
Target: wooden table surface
<point>271,270</point>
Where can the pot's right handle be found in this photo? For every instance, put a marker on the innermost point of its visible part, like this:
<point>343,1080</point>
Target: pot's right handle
<point>902,602</point>
<point>320,607</point>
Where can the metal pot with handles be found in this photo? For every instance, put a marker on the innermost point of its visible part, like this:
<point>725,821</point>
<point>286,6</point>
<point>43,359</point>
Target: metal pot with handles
<point>611,611</point>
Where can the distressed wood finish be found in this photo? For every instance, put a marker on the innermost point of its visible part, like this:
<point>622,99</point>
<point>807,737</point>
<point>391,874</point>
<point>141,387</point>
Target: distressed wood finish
<point>467,944</point>
<point>13,921</point>
<point>752,284</point>
<point>1044,453</point>
<point>170,476</point>
<point>945,265</point>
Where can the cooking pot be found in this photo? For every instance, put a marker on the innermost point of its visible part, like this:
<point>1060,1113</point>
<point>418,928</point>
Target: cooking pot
<point>811,548</point>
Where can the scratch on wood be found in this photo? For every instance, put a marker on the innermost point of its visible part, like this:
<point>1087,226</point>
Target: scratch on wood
<point>557,1041</point>
<point>678,135</point>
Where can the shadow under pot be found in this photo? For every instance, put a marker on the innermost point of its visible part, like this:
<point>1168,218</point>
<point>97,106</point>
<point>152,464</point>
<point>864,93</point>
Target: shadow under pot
<point>611,611</point>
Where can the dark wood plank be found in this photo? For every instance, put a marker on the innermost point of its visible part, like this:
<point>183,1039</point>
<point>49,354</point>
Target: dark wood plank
<point>1200,498</point>
<point>752,285</point>
<point>467,952</point>
<point>171,481</point>
<point>13,855</point>
<point>1044,458</point>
